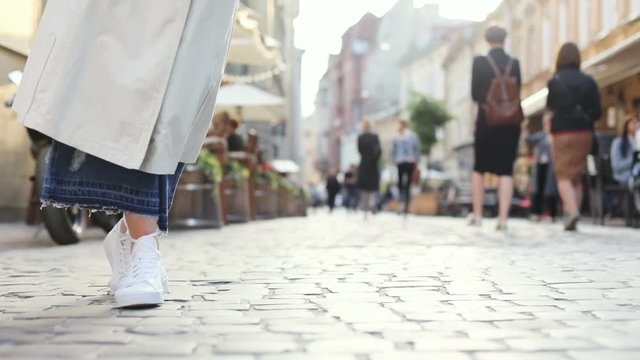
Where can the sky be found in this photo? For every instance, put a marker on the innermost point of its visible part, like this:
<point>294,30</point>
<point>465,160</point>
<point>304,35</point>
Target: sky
<point>321,23</point>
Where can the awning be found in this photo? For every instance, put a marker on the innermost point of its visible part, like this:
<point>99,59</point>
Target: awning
<point>285,166</point>
<point>250,103</point>
<point>248,45</point>
<point>535,103</point>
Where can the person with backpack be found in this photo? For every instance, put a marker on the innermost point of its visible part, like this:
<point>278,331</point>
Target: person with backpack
<point>574,99</point>
<point>495,86</point>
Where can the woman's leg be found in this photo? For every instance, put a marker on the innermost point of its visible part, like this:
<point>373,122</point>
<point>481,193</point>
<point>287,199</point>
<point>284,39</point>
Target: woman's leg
<point>141,225</point>
<point>477,194</point>
<point>568,196</point>
<point>505,195</point>
<point>577,187</point>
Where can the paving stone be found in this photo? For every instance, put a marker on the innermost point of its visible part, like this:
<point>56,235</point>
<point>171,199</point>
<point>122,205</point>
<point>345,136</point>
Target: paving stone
<point>350,345</point>
<point>255,346</point>
<point>456,344</point>
<point>542,344</point>
<point>520,356</point>
<point>605,354</point>
<point>421,356</point>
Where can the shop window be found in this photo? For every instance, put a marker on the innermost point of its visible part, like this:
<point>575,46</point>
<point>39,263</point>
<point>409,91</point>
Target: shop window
<point>584,9</point>
<point>609,14</point>
<point>635,9</point>
<point>563,21</point>
<point>546,42</point>
<point>612,117</point>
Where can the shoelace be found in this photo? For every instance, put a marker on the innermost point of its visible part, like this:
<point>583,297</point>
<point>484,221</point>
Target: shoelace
<point>123,256</point>
<point>143,268</point>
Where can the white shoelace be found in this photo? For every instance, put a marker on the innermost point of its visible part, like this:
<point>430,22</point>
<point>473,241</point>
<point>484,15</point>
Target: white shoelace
<point>144,264</point>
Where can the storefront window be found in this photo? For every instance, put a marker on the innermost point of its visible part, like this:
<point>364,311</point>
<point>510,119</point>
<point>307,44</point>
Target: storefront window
<point>584,8</point>
<point>609,13</point>
<point>635,9</point>
<point>546,41</point>
<point>563,11</point>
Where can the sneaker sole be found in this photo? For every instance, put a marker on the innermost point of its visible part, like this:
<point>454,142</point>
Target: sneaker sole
<point>143,299</point>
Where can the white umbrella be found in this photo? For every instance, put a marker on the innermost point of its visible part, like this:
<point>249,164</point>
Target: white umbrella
<point>285,166</point>
<point>250,103</point>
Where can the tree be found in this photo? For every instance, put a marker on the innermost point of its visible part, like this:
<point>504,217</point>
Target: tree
<point>426,116</point>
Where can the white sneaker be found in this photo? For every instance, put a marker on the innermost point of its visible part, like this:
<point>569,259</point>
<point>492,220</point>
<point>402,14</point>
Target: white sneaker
<point>474,221</point>
<point>117,246</point>
<point>146,280</point>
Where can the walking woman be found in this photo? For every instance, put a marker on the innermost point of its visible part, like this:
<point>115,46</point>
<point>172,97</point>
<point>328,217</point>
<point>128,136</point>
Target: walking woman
<point>127,90</point>
<point>405,154</point>
<point>543,177</point>
<point>495,147</point>
<point>368,171</point>
<point>574,100</point>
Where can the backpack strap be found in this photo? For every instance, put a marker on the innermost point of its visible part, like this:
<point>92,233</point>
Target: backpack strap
<point>507,71</point>
<point>494,66</point>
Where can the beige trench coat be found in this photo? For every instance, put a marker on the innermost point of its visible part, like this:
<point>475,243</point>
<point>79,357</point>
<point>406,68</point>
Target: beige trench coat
<point>130,82</point>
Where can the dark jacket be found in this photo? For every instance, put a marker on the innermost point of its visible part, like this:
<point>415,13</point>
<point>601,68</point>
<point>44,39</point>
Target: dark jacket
<point>368,172</point>
<point>568,87</point>
<point>333,186</point>
<point>482,74</point>
<point>235,142</point>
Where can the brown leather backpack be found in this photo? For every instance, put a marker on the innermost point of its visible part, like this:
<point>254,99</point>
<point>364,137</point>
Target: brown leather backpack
<point>502,106</point>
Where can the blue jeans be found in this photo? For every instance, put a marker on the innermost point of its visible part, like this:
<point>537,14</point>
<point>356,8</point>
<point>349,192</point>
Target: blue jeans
<point>76,179</point>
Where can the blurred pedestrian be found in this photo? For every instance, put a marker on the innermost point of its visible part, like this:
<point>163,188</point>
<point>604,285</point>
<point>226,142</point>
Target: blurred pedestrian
<point>495,146</point>
<point>333,189</point>
<point>622,150</point>
<point>543,179</point>
<point>127,91</point>
<point>234,140</point>
<point>351,188</point>
<point>368,171</point>
<point>574,99</point>
<point>405,154</point>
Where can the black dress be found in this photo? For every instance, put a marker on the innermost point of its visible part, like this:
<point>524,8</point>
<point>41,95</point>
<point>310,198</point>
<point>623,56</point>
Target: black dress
<point>495,147</point>
<point>368,172</point>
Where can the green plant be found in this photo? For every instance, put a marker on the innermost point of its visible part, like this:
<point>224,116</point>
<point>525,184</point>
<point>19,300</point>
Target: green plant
<point>269,176</point>
<point>291,187</point>
<point>236,170</point>
<point>209,163</point>
<point>427,115</point>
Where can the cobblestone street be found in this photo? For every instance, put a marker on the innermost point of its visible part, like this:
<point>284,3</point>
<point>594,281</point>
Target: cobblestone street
<point>340,288</point>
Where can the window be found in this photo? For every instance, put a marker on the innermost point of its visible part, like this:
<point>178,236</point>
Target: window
<point>609,13</point>
<point>635,9</point>
<point>532,55</point>
<point>546,41</point>
<point>584,8</point>
<point>563,20</point>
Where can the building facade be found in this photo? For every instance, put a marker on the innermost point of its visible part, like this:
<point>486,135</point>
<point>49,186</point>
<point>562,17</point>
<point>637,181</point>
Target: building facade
<point>345,78</point>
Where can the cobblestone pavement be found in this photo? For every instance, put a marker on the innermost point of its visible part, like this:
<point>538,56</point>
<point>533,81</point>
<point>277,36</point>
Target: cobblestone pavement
<point>340,288</point>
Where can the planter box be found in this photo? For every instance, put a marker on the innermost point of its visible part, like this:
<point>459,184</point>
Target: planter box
<point>236,200</point>
<point>266,198</point>
<point>197,202</point>
<point>424,204</point>
<point>286,203</point>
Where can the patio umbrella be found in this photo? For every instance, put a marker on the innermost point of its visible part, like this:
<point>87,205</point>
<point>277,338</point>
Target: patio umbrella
<point>250,103</point>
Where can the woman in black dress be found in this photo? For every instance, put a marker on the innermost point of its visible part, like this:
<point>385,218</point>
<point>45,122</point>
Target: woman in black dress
<point>368,171</point>
<point>495,147</point>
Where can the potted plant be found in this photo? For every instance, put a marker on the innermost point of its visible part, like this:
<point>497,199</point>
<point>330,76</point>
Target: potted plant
<point>197,201</point>
<point>236,192</point>
<point>427,116</point>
